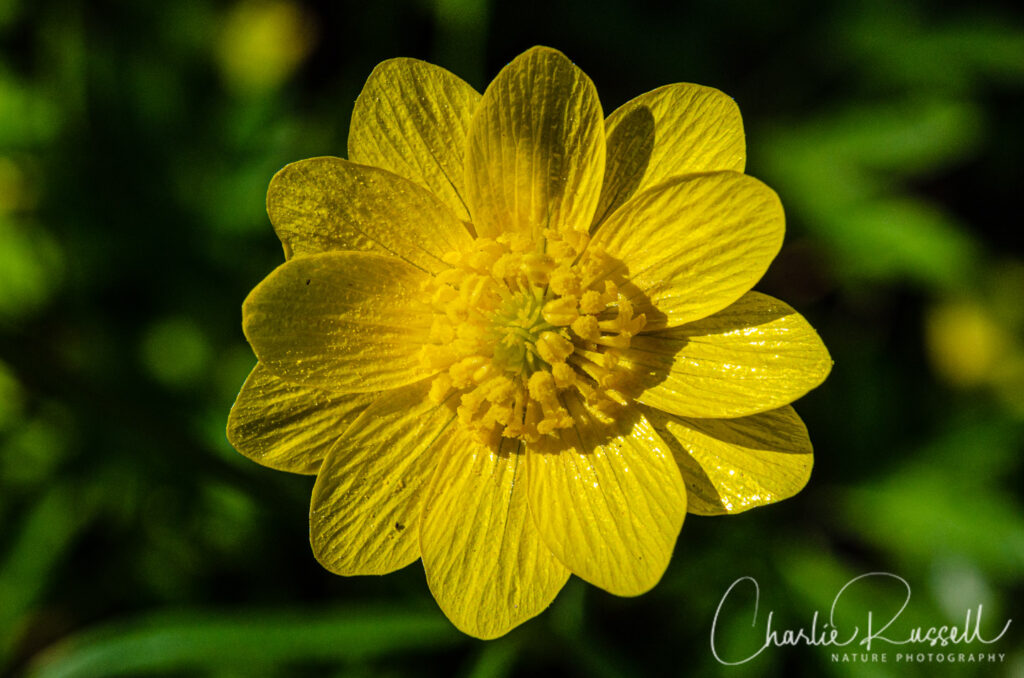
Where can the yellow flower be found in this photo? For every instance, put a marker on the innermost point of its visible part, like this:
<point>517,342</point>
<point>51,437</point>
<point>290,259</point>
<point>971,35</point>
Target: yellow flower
<point>515,339</point>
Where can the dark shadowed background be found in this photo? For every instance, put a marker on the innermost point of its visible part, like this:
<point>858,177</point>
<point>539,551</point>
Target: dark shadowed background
<point>136,143</point>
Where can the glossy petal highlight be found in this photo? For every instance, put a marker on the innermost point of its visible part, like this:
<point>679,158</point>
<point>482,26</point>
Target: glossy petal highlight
<point>412,118</point>
<point>609,501</point>
<point>325,204</point>
<point>364,516</point>
<point>485,561</point>
<point>351,322</point>
<point>670,131</point>
<point>732,465</point>
<point>756,355</point>
<point>289,427</point>
<point>536,148</point>
<point>692,245</point>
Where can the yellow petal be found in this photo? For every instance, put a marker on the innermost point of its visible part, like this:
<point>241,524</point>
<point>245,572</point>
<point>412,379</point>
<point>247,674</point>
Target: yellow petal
<point>368,494</point>
<point>692,245</point>
<point>350,322</point>
<point>485,562</point>
<point>756,355</point>
<point>673,130</point>
<point>610,503</point>
<point>412,118</point>
<point>289,427</point>
<point>325,204</point>
<point>731,465</point>
<point>536,148</point>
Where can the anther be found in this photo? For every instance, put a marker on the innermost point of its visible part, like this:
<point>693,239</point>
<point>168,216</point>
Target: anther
<point>561,312</point>
<point>553,347</point>
<point>592,302</point>
<point>586,328</point>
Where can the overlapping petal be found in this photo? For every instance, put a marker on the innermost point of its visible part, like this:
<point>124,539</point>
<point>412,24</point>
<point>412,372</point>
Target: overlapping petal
<point>756,355</point>
<point>366,504</point>
<point>692,245</point>
<point>351,322</point>
<point>324,204</point>
<point>673,130</point>
<point>731,465</point>
<point>485,561</point>
<point>535,153</point>
<point>609,501</point>
<point>289,427</point>
<point>412,118</point>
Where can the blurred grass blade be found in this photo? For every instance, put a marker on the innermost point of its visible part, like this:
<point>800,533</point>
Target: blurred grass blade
<point>496,659</point>
<point>44,537</point>
<point>845,175</point>
<point>194,641</point>
<point>461,27</point>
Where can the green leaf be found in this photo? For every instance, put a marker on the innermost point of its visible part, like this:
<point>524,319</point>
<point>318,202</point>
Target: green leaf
<point>199,640</point>
<point>42,541</point>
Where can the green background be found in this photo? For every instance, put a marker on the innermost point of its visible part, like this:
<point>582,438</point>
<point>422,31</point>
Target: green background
<point>136,143</point>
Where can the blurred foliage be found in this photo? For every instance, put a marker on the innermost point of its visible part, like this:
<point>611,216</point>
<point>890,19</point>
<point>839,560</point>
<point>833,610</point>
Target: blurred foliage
<point>136,143</point>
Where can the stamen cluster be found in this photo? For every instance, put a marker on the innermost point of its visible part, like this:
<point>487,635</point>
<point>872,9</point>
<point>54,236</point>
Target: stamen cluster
<point>517,324</point>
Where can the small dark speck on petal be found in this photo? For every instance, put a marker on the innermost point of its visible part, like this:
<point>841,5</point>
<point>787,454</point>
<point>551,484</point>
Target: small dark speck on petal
<point>307,281</point>
<point>399,526</point>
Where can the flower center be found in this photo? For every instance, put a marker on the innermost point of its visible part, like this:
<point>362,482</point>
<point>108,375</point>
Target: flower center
<point>515,328</point>
<point>517,324</point>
